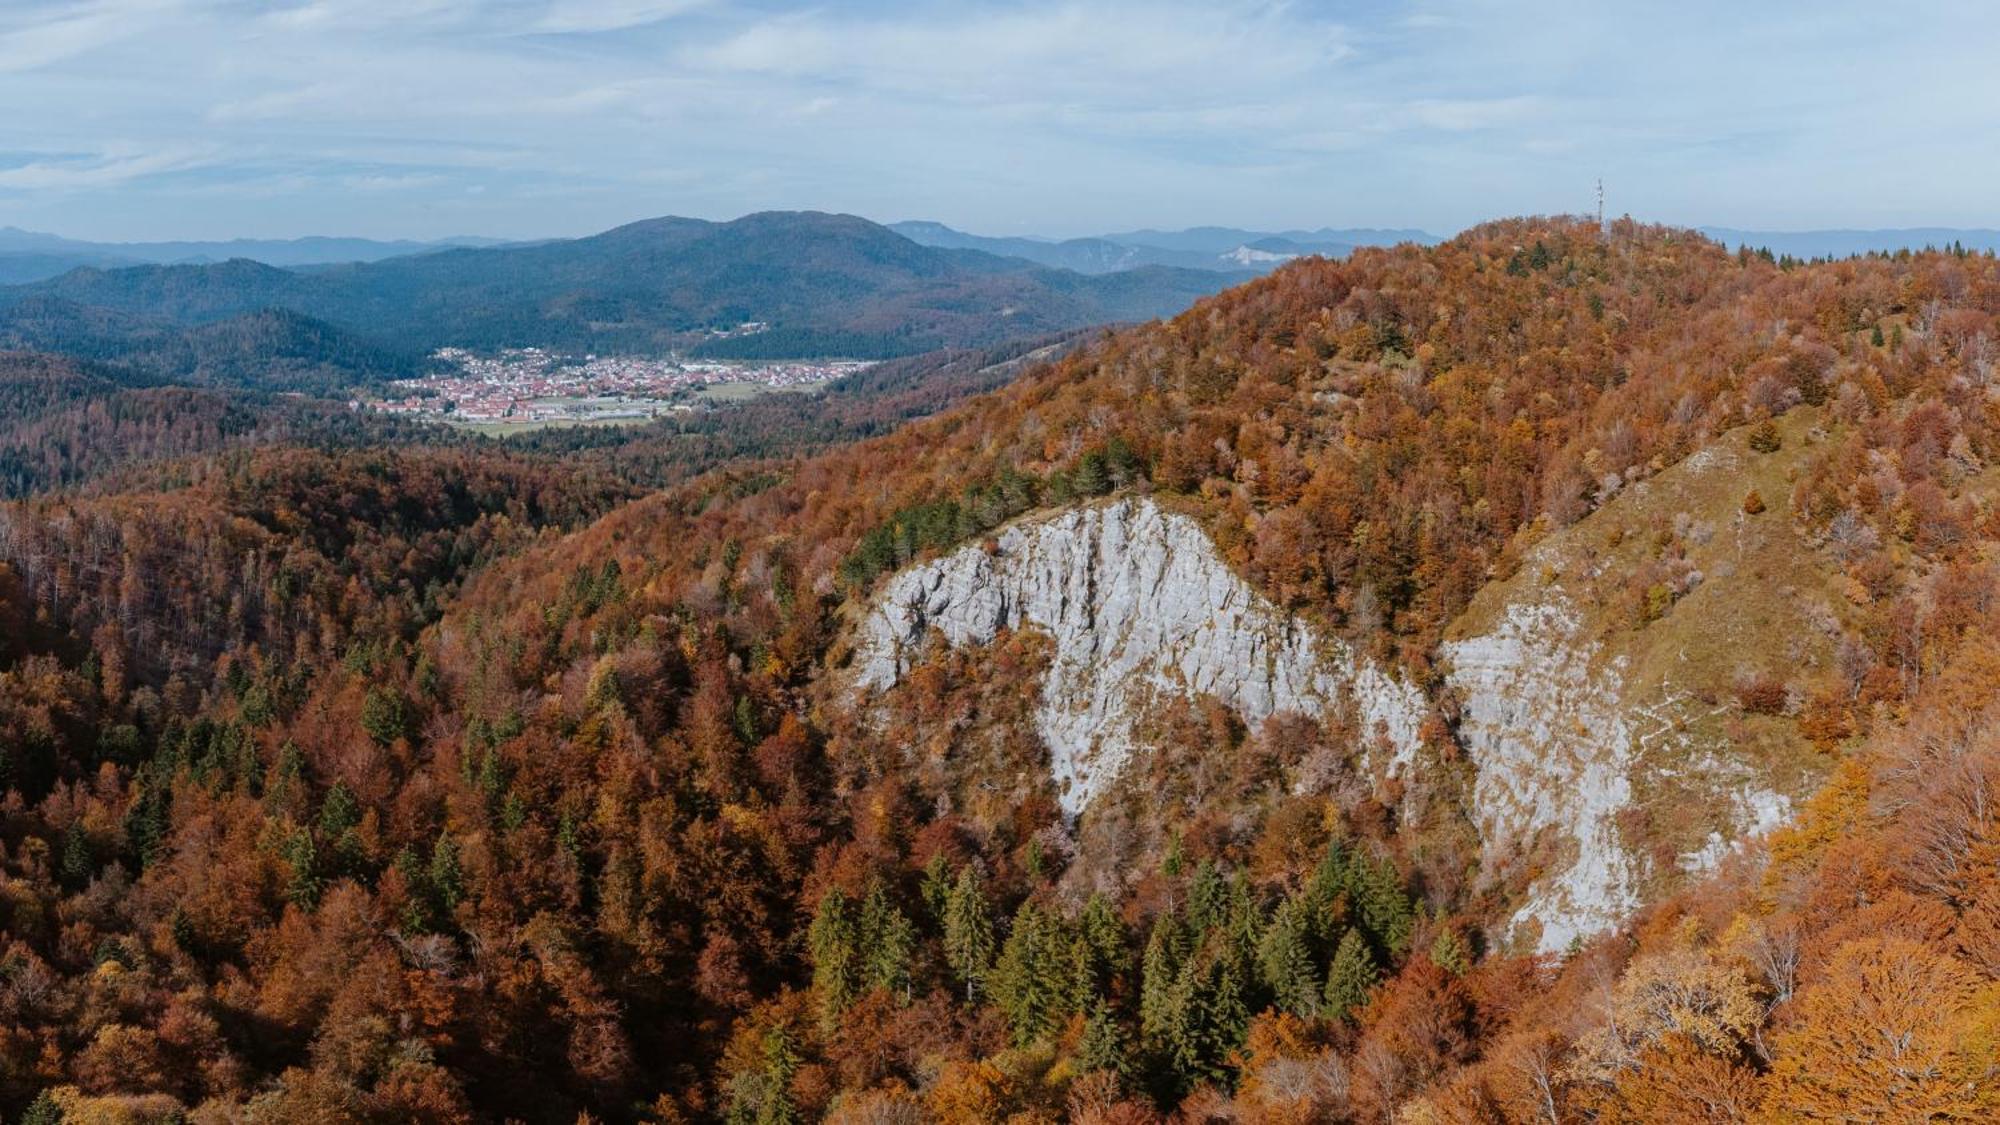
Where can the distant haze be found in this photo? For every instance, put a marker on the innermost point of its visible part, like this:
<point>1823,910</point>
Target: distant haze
<point>1234,252</point>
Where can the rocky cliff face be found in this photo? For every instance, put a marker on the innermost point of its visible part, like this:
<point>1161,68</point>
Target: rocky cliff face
<point>1610,757</point>
<point>1542,721</point>
<point>1605,735</point>
<point>1137,603</point>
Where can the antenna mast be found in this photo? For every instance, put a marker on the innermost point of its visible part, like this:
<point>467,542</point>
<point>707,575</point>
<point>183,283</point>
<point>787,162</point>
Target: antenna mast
<point>1602,230</point>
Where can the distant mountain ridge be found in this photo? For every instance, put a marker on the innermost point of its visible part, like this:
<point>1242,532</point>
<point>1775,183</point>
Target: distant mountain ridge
<point>819,284</point>
<point>1218,239</point>
<point>1227,249</point>
<point>27,256</point>
<point>1843,243</point>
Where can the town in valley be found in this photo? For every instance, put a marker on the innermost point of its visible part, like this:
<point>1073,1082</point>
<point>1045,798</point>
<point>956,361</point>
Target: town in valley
<point>523,388</point>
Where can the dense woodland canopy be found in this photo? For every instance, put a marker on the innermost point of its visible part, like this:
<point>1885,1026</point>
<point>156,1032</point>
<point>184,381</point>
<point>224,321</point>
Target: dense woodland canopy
<point>453,784</point>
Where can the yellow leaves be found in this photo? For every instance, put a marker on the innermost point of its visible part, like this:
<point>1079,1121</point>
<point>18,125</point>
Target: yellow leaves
<point>1828,815</point>
<point>1686,991</point>
<point>971,1093</point>
<point>775,666</point>
<point>742,819</point>
<point>79,1108</point>
<point>1892,1032</point>
<point>1856,590</point>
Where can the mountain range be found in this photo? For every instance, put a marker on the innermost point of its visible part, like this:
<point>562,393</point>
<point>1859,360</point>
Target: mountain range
<point>1226,249</point>
<point>31,255</point>
<point>811,284</point>
<point>1847,243</point>
<point>27,256</point>
<point>1235,248</point>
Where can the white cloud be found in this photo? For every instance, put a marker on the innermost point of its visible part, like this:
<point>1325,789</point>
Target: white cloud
<point>1463,115</point>
<point>100,170</point>
<point>387,183</point>
<point>1134,54</point>
<point>44,35</point>
<point>351,15</point>
<point>567,16</point>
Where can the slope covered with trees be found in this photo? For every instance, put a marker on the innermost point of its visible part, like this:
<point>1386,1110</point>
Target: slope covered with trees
<point>260,348</point>
<point>599,829</point>
<point>66,423</point>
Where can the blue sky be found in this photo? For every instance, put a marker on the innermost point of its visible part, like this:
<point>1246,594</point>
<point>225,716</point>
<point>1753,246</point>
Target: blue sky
<point>135,119</point>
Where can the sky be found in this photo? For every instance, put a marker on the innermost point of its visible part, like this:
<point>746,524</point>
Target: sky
<point>155,119</point>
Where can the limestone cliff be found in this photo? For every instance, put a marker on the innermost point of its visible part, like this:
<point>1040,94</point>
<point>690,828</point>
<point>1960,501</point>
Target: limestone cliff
<point>1599,711</point>
<point>1609,756</point>
<point>1137,603</point>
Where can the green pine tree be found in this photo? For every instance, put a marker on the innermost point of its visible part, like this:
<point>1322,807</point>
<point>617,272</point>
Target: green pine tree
<point>834,941</point>
<point>603,690</point>
<point>1208,898</point>
<point>1158,971</point>
<point>417,915</point>
<point>1092,477</point>
<point>1331,883</point>
<point>146,821</point>
<point>936,887</point>
<point>446,877</point>
<point>385,715</point>
<point>1103,1047</point>
<point>1097,953</point>
<point>1211,1017</point>
<point>287,790</point>
<point>1028,980</point>
<point>303,884</point>
<point>1875,337</point>
<point>492,778</point>
<point>1243,919</point>
<point>1285,960</point>
<point>764,1096</point>
<point>73,862</point>
<point>513,812</point>
<point>1449,951</point>
<point>42,1111</point>
<point>968,932</point>
<point>338,811</point>
<point>888,942</point>
<point>1386,911</point>
<point>1351,977</point>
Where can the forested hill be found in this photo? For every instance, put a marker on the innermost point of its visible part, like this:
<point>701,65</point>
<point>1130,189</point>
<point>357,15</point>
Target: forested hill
<point>265,349</point>
<point>820,284</point>
<point>67,423</point>
<point>502,807</point>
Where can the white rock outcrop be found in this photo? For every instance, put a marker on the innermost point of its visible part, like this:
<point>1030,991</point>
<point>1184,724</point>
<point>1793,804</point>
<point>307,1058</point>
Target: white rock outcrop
<point>1546,730</point>
<point>1138,603</point>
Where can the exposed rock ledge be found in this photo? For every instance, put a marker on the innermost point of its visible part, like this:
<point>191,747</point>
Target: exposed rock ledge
<point>1546,729</point>
<point>1138,603</point>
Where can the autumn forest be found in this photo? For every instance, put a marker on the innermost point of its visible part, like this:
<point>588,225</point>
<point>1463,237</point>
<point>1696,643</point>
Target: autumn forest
<point>357,771</point>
